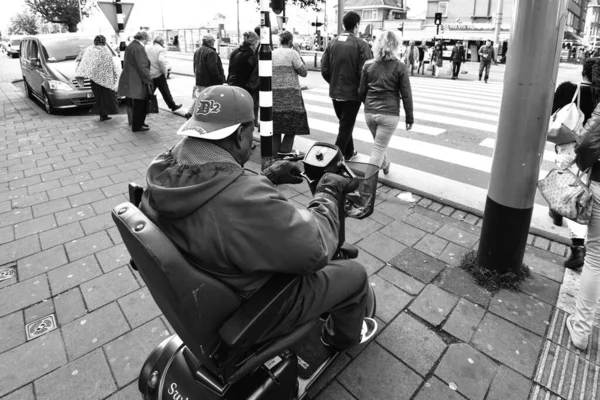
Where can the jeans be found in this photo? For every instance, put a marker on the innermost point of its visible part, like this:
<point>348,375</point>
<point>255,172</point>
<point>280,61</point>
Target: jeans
<point>382,128</point>
<point>456,68</point>
<point>485,65</point>
<point>163,87</point>
<point>589,286</point>
<point>346,111</point>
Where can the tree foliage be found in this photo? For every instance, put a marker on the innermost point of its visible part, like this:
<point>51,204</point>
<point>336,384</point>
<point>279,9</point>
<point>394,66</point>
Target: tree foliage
<point>64,12</point>
<point>314,4</point>
<point>23,23</point>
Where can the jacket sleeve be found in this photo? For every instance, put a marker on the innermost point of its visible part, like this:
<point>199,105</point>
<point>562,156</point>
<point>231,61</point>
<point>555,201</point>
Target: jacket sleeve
<point>270,235</point>
<point>142,65</point>
<point>363,86</point>
<point>299,65</point>
<point>325,63</point>
<point>162,62</point>
<point>364,54</point>
<point>406,93</point>
<point>588,135</point>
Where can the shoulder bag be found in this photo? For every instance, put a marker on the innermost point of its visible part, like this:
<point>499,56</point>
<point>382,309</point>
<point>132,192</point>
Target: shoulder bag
<point>566,121</point>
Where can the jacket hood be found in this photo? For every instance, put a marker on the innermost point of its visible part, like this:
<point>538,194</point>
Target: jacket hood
<point>176,191</point>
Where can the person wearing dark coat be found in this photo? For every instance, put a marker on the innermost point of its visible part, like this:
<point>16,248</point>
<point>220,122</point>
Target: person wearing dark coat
<point>242,62</point>
<point>457,57</point>
<point>135,82</point>
<point>207,65</point>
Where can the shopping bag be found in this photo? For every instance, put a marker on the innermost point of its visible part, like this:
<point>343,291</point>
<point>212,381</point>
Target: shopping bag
<point>151,104</point>
<point>565,122</point>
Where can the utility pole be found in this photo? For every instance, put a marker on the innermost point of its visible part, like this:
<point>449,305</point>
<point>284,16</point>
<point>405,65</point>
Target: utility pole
<point>340,25</point>
<point>529,83</point>
<point>265,73</point>
<point>80,16</point>
<point>498,27</point>
<point>325,23</point>
<point>238,22</point>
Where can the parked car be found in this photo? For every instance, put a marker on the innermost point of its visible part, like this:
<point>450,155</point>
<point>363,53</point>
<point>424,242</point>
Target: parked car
<point>48,68</point>
<point>12,47</point>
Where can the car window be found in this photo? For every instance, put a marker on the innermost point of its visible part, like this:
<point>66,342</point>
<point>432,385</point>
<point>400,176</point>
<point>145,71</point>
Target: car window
<point>15,42</point>
<point>33,49</point>
<point>24,53</point>
<point>65,48</point>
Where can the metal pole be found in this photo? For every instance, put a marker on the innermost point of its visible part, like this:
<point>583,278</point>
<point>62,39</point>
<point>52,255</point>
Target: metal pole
<point>498,27</point>
<point>80,16</point>
<point>265,95</point>
<point>238,22</point>
<point>325,23</point>
<point>529,84</point>
<point>120,23</point>
<point>340,27</point>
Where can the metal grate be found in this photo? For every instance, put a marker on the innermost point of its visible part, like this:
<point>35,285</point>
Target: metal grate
<point>87,84</point>
<point>40,327</point>
<point>559,334</point>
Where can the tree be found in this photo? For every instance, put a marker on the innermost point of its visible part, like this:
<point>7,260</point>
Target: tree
<point>64,12</point>
<point>23,23</point>
<point>314,4</point>
<point>219,17</point>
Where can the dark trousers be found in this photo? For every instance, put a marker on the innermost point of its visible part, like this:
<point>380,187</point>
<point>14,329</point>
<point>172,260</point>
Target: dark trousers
<point>455,68</point>
<point>485,65</point>
<point>138,113</point>
<point>346,111</point>
<point>342,289</point>
<point>163,87</point>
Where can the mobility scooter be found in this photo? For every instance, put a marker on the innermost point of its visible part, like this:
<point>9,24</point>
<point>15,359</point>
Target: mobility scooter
<point>214,353</point>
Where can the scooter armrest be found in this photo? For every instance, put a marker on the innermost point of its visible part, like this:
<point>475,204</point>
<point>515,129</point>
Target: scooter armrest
<point>243,329</point>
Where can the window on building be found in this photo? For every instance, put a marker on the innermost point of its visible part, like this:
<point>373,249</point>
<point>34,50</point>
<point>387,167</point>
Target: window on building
<point>443,8</point>
<point>397,15</point>
<point>481,8</point>
<point>570,18</point>
<point>369,15</point>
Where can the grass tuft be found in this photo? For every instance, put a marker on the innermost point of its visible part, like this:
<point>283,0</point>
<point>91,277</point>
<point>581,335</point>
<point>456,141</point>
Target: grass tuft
<point>490,280</point>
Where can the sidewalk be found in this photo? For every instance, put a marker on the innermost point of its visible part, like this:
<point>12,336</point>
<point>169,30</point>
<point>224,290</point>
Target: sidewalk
<point>441,336</point>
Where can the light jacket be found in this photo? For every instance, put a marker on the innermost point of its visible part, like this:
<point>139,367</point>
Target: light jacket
<point>415,53</point>
<point>157,55</point>
<point>136,72</point>
<point>235,225</point>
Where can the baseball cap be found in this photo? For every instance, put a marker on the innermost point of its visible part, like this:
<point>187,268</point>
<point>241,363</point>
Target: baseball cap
<point>218,112</point>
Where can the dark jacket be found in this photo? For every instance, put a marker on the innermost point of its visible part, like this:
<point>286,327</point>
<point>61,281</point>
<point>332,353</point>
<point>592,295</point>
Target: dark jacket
<point>458,54</point>
<point>486,54</point>
<point>241,67</point>
<point>342,63</point>
<point>565,92</point>
<point>136,72</point>
<point>208,67</point>
<point>235,225</point>
<point>382,85</point>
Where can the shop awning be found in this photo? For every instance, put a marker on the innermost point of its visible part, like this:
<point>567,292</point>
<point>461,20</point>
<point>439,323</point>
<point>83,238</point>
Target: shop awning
<point>572,38</point>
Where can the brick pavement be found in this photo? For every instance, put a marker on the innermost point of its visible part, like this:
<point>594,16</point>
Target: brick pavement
<point>441,336</point>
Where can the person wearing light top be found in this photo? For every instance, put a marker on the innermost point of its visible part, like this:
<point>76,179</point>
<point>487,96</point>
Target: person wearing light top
<point>157,54</point>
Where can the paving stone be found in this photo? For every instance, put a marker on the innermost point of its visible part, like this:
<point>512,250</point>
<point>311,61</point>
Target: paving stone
<point>107,171</point>
<point>63,191</point>
<point>459,282</point>
<point>106,206</point>
<point>417,264</point>
<point>75,179</point>
<point>34,358</point>
<point>471,219</point>
<point>434,389</point>
<point>74,214</point>
<point>544,267</point>
<point>395,208</point>
<point>376,374</point>
<point>115,236</point>
<point>390,299</point>
<point>371,264</point>
<point>25,393</point>
<point>108,287</point>
<point>470,370</point>
<point>446,210</point>
<point>541,287</point>
<point>522,309</point>
<point>34,226</point>
<point>50,207</point>
<point>449,221</point>
<point>402,280</point>
<point>60,235</point>
<point>431,245</point>
<point>79,248</point>
<point>508,343</point>
<point>24,182</point>
<point>127,354</point>
<point>433,304</point>
<point>5,206</point>
<point>23,294</point>
<point>459,215</point>
<point>97,223</point>
<point>93,330</point>
<point>335,391</point>
<point>357,230</point>
<point>508,384</point>
<point>341,361</point>
<point>541,243</point>
<point>424,202</point>
<point>403,233</point>
<point>73,274</point>
<point>464,320</point>
<point>41,309</point>
<point>113,257</point>
<point>457,236</point>
<point>86,197</point>
<point>15,216</point>
<point>69,306</point>
<point>381,246</point>
<point>41,262</point>
<point>7,234</point>
<point>412,342</point>
<point>129,392</point>
<point>381,218</point>
<point>28,201</point>
<point>530,239</point>
<point>12,331</point>
<point>436,207</point>
<point>453,254</point>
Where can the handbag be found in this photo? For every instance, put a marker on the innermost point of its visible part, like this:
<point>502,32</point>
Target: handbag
<point>151,104</point>
<point>566,121</point>
<point>567,195</point>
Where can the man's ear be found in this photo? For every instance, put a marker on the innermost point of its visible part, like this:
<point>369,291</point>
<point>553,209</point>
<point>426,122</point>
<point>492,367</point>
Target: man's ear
<point>237,137</point>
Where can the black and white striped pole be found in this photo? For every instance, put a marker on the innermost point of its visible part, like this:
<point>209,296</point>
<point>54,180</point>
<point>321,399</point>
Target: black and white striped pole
<point>265,94</point>
<point>529,82</point>
<point>120,24</point>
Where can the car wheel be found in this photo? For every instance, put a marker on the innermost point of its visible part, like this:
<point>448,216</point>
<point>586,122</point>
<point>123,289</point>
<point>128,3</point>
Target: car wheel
<point>47,104</point>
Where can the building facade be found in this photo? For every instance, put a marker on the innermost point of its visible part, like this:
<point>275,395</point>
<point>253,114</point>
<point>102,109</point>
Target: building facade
<point>591,33</point>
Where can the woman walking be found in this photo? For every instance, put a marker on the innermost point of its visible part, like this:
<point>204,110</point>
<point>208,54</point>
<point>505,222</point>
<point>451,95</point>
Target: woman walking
<point>289,114</point>
<point>565,152</point>
<point>96,64</point>
<point>383,84</point>
<point>580,323</point>
<point>437,58</point>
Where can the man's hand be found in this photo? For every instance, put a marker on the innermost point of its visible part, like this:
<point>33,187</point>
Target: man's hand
<point>283,171</point>
<point>409,126</point>
<point>334,185</point>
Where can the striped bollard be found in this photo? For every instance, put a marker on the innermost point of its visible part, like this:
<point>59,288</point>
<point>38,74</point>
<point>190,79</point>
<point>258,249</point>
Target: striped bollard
<point>265,95</point>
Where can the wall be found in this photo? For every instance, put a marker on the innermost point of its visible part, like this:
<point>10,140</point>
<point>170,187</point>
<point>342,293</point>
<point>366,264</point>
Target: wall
<point>463,9</point>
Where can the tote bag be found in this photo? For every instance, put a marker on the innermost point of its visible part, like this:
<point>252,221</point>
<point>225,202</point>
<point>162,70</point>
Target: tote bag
<point>565,122</point>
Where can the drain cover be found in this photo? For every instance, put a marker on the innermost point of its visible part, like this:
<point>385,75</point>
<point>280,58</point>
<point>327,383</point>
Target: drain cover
<point>7,273</point>
<point>40,327</point>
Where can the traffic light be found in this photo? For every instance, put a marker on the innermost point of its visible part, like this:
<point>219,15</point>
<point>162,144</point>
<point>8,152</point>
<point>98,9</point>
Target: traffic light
<point>277,6</point>
<point>438,19</point>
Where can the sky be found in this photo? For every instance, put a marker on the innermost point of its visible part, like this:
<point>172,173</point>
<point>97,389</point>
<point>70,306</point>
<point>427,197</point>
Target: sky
<point>183,14</point>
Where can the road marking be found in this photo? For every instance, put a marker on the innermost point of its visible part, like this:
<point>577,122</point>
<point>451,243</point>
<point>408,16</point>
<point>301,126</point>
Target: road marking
<point>491,143</point>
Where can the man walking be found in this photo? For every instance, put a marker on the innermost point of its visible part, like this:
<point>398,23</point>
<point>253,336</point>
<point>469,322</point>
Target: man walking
<point>422,54</point>
<point>457,57</point>
<point>157,54</point>
<point>411,57</point>
<point>135,82</point>
<point>341,67</point>
<point>486,55</point>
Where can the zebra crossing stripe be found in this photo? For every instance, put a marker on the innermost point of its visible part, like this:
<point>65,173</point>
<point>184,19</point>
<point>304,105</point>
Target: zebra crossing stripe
<point>491,143</point>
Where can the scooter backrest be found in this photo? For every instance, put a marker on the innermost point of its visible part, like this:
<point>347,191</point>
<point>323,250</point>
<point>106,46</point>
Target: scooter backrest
<point>194,303</point>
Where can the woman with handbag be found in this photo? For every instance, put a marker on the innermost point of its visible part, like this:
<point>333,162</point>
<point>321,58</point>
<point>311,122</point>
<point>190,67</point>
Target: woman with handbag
<point>587,152</point>
<point>566,93</point>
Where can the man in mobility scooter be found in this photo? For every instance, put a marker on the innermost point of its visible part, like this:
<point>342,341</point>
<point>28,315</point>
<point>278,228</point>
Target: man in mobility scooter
<point>234,225</point>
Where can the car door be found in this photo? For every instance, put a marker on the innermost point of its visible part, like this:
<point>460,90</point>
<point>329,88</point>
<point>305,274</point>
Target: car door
<point>37,67</point>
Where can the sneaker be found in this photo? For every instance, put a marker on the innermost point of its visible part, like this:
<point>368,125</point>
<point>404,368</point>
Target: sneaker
<point>576,258</point>
<point>369,328</point>
<point>577,340</point>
